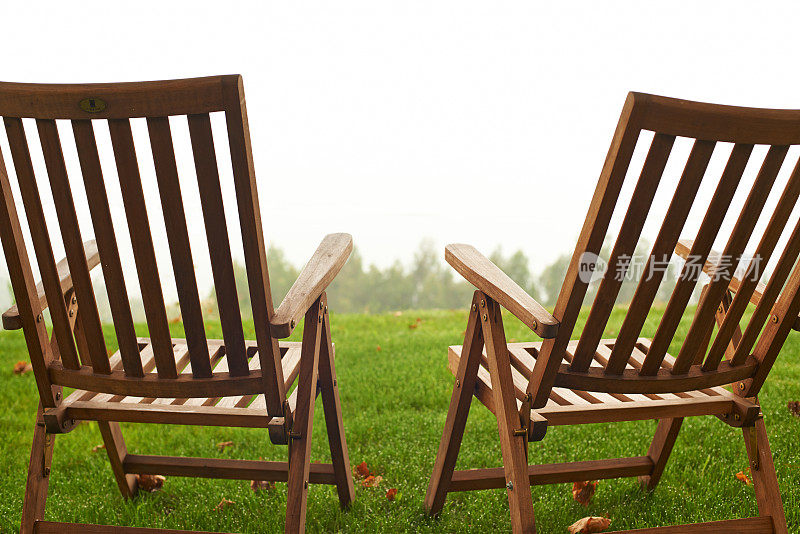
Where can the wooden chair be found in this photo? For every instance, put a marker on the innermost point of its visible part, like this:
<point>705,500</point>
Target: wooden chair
<point>561,381</point>
<point>194,381</point>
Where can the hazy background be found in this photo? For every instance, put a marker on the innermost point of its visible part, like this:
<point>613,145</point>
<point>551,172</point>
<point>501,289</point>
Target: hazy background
<point>480,122</point>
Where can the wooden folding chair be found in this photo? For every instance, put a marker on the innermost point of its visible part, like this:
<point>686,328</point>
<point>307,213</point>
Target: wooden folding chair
<point>560,381</point>
<point>194,381</point>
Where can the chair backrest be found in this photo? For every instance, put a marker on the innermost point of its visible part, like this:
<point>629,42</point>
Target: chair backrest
<point>696,366</point>
<point>84,106</point>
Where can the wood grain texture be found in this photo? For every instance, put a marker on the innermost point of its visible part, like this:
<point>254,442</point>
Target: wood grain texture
<point>318,273</point>
<point>123,100</point>
<point>160,380</point>
<point>478,270</point>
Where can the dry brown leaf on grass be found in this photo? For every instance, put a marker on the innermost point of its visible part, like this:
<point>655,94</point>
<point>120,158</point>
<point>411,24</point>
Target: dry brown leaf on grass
<point>259,485</point>
<point>371,481</point>
<point>587,525</point>
<point>223,504</point>
<point>378,348</point>
<point>398,313</point>
<point>150,482</point>
<point>794,408</point>
<point>744,478</point>
<point>20,368</point>
<point>583,492</point>
<point>391,494</point>
<point>98,447</point>
<point>223,444</point>
<point>362,470</point>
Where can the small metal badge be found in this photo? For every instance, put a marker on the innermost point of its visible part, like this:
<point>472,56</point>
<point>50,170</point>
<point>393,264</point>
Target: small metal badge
<point>92,105</point>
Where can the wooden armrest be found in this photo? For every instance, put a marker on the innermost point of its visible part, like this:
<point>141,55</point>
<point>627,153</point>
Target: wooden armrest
<point>478,270</point>
<point>684,247</point>
<point>319,272</point>
<point>11,319</point>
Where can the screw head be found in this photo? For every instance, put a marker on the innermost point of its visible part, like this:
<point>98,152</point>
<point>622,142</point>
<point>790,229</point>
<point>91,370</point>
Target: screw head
<point>774,318</point>
<point>74,300</point>
<point>741,386</point>
<point>326,308</point>
<point>737,417</point>
<point>483,303</point>
<point>39,318</point>
<point>319,318</point>
<point>58,395</point>
<point>292,323</point>
<point>321,306</point>
<point>485,318</point>
<point>458,383</point>
<point>474,307</point>
<point>72,313</point>
<point>535,324</point>
<point>305,484</point>
<point>509,485</point>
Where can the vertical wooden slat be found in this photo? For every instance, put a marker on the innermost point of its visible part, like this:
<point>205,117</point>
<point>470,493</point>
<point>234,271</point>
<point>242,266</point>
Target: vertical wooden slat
<point>765,305</point>
<point>25,293</point>
<point>705,316</point>
<point>625,246</point>
<point>219,247</point>
<point>73,244</point>
<point>749,283</point>
<point>668,235</point>
<point>591,238</point>
<point>178,236</point>
<point>253,240</point>
<point>95,186</point>
<point>700,249</point>
<point>42,246</point>
<point>139,226</point>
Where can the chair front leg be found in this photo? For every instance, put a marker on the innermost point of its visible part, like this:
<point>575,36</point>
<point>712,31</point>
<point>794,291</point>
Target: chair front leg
<point>300,435</point>
<point>38,475</point>
<point>456,421</point>
<point>513,439</point>
<point>765,481</point>
<point>333,413</point>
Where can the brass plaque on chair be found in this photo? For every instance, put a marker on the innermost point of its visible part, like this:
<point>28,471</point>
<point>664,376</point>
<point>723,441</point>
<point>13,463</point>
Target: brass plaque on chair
<point>92,105</point>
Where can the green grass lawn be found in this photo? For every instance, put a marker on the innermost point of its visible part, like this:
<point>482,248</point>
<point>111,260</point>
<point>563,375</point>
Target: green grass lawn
<point>395,391</point>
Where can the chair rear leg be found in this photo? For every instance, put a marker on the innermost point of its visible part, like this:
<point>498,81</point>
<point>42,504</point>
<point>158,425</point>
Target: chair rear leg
<point>117,451</point>
<point>300,436</point>
<point>765,481</point>
<point>38,476</point>
<point>660,449</point>
<point>456,421</point>
<point>333,415</point>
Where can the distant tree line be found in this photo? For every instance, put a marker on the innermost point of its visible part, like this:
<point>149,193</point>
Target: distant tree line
<point>427,282</point>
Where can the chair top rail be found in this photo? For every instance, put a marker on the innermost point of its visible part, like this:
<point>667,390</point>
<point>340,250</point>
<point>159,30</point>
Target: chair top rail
<point>114,100</point>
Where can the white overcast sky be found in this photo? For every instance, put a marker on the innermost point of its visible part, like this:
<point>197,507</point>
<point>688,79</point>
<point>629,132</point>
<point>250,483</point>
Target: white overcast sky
<point>481,122</point>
